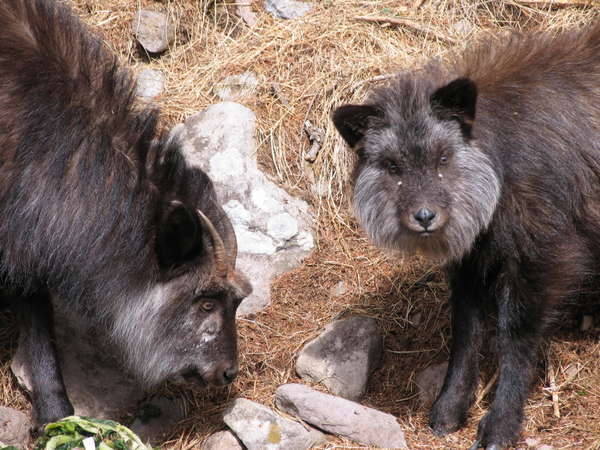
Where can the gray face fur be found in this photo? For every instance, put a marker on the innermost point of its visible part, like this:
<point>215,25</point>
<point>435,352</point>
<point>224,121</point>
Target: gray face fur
<point>413,159</point>
<point>182,329</point>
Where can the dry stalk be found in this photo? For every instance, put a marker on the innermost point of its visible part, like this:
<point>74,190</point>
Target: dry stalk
<point>488,387</point>
<point>555,4</point>
<point>553,389</point>
<point>410,24</point>
<point>375,79</point>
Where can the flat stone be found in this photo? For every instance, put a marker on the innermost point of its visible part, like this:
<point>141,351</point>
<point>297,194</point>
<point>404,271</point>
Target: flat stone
<point>223,440</point>
<point>259,427</point>
<point>150,84</point>
<point>273,229</point>
<point>154,30</point>
<point>343,356</point>
<point>156,417</point>
<point>287,9</point>
<point>237,87</point>
<point>340,416</point>
<point>14,427</point>
<point>96,384</point>
<point>430,382</point>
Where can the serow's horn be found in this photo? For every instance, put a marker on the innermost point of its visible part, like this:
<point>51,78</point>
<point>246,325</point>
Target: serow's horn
<point>221,265</point>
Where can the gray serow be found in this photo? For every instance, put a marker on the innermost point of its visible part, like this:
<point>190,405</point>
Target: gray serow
<point>490,163</point>
<point>100,211</point>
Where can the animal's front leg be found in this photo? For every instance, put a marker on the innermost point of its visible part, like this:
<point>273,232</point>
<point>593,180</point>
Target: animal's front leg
<point>519,332</point>
<point>449,412</point>
<point>49,396</point>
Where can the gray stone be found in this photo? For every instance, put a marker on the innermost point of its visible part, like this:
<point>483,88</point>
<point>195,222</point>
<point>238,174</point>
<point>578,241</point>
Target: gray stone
<point>273,229</point>
<point>154,30</point>
<point>259,427</point>
<point>463,27</point>
<point>150,84</point>
<point>96,384</point>
<point>430,382</point>
<point>343,356</point>
<point>340,416</point>
<point>339,289</point>
<point>156,417</point>
<point>287,9</point>
<point>14,427</point>
<point>237,87</point>
<point>223,440</point>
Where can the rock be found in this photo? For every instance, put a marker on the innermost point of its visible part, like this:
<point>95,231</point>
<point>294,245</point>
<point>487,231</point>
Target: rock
<point>272,228</point>
<point>237,87</point>
<point>156,417</point>
<point>340,416</point>
<point>154,30</point>
<point>343,356</point>
<point>430,382</point>
<point>95,382</point>
<point>223,440</point>
<point>14,427</point>
<point>150,84</point>
<point>259,427</point>
<point>287,9</point>
<point>463,27</point>
<point>338,290</point>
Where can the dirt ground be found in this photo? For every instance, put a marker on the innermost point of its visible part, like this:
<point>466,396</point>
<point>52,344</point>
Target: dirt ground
<point>306,67</point>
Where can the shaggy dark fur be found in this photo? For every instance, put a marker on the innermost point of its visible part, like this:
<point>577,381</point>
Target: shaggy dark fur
<point>99,212</point>
<point>490,163</point>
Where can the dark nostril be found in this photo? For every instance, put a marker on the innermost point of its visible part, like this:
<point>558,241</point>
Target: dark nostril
<point>424,216</point>
<point>230,374</point>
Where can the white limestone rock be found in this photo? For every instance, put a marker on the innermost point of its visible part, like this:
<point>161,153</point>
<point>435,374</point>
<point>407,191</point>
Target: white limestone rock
<point>273,229</point>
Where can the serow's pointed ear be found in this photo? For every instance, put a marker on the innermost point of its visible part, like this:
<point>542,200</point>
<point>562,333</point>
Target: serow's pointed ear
<point>456,101</point>
<point>353,121</point>
<point>179,236</point>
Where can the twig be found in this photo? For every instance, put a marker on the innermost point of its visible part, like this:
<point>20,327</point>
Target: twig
<point>315,136</point>
<point>553,390</point>
<point>417,4</point>
<point>408,24</point>
<point>488,387</point>
<point>554,4</point>
<point>358,84</point>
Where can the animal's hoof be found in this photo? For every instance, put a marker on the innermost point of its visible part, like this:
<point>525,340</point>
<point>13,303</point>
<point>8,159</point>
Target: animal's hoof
<point>477,445</point>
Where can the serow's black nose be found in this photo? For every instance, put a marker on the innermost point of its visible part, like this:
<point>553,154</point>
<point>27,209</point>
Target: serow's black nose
<point>230,374</point>
<point>424,216</point>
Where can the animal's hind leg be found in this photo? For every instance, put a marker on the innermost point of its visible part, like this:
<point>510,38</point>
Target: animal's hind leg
<point>49,396</point>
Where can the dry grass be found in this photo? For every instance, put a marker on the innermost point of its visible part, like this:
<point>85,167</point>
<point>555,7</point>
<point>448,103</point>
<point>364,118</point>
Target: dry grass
<point>317,62</point>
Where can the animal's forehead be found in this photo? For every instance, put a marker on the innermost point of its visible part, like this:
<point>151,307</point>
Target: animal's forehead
<point>407,139</point>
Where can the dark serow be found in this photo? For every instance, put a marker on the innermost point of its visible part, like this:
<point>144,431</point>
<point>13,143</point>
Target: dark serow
<point>99,211</point>
<point>491,164</point>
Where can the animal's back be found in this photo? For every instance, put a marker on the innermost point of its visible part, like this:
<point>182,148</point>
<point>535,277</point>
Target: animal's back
<point>543,86</point>
<point>538,115</point>
<point>73,150</point>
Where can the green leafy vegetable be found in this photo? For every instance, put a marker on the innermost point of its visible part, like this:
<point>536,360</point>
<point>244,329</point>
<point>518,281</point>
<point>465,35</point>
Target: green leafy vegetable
<point>70,432</point>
